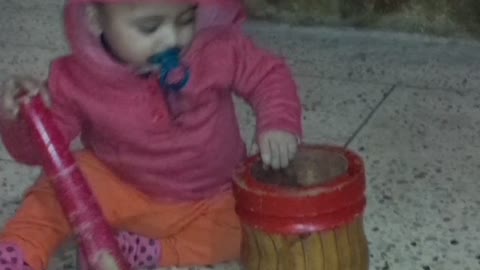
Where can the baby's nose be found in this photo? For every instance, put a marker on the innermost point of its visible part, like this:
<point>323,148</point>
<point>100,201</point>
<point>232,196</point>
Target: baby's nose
<point>168,39</point>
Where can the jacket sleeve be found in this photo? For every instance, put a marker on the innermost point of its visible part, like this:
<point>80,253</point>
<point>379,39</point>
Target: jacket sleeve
<point>15,134</point>
<point>267,84</point>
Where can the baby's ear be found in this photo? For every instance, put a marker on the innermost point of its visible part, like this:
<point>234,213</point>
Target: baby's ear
<point>94,19</point>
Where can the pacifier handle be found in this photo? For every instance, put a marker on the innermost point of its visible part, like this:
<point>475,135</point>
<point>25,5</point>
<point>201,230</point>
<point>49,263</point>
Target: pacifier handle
<point>175,87</point>
<point>169,62</point>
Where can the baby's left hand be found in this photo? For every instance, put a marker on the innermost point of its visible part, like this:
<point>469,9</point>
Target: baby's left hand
<point>277,148</point>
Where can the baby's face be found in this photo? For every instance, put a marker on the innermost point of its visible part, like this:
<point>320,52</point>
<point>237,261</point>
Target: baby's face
<point>135,32</point>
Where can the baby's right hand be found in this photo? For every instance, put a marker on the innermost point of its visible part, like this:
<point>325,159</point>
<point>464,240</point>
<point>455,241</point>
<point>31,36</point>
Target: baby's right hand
<point>14,90</point>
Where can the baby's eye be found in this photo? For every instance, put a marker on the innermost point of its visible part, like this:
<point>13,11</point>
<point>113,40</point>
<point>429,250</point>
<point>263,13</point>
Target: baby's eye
<point>148,29</point>
<point>186,20</point>
<point>187,17</point>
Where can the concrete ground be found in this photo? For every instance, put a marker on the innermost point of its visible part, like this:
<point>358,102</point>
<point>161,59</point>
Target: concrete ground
<point>409,104</point>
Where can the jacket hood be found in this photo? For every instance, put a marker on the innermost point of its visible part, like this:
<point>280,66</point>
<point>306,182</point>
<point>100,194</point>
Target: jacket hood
<point>87,48</point>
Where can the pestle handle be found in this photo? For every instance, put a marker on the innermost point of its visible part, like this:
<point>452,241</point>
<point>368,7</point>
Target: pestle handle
<point>79,205</point>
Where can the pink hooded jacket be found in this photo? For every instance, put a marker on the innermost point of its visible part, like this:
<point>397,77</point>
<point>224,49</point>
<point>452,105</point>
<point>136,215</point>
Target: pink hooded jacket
<point>125,121</point>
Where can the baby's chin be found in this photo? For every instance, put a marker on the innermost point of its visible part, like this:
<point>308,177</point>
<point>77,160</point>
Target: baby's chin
<point>141,64</point>
<point>144,69</point>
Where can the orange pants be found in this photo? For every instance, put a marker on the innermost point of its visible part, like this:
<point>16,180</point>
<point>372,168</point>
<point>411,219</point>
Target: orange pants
<point>199,233</point>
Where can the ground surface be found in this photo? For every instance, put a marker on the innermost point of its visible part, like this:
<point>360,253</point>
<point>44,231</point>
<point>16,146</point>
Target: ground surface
<point>409,104</point>
<point>442,17</point>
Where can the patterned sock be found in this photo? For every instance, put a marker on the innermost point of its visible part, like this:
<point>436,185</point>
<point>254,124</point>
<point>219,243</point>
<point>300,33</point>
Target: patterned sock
<point>12,258</point>
<point>140,252</point>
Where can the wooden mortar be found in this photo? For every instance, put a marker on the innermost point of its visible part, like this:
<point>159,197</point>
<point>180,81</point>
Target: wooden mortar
<point>307,217</point>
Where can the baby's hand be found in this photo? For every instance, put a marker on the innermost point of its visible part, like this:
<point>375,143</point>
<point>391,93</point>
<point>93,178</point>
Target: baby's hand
<point>13,89</point>
<point>277,148</point>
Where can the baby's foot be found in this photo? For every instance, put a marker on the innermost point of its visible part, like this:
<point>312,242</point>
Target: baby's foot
<point>140,252</point>
<point>11,258</point>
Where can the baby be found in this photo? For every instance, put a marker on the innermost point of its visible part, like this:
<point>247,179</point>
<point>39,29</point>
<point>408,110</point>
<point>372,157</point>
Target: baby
<point>148,88</point>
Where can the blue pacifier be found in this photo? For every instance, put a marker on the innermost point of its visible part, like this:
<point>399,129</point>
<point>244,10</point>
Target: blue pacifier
<point>174,74</point>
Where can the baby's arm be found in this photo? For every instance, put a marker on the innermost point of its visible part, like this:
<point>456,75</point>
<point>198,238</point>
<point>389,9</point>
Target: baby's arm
<point>16,136</point>
<point>266,82</point>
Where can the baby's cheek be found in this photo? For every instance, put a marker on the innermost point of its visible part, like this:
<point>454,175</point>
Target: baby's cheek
<point>133,52</point>
<point>140,54</point>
